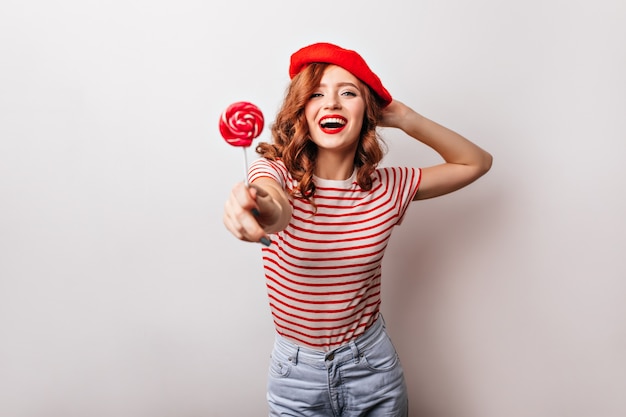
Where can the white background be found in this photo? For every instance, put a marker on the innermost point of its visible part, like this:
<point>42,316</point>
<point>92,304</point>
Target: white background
<point>122,294</point>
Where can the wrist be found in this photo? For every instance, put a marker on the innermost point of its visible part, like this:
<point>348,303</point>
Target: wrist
<point>411,122</point>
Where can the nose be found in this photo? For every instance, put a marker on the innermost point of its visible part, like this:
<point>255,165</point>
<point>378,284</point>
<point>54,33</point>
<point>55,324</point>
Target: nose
<point>332,102</point>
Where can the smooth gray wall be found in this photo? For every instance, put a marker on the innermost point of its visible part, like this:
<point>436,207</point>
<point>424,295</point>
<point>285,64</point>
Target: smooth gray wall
<point>122,295</point>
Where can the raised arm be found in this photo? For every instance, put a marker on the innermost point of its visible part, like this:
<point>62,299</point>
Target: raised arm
<point>250,214</point>
<point>464,163</point>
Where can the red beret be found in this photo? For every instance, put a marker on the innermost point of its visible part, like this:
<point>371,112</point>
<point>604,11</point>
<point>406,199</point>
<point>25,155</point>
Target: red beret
<point>345,58</point>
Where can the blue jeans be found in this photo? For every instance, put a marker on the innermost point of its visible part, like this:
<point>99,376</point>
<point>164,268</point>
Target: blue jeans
<point>362,378</point>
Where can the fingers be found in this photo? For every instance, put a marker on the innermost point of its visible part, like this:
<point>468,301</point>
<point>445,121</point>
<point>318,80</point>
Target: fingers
<point>240,212</point>
<point>393,114</point>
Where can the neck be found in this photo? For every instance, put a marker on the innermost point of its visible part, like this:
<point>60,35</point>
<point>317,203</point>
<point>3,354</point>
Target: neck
<point>334,167</point>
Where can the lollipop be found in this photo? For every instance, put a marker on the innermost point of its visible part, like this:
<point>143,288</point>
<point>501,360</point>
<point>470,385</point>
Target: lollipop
<point>240,124</point>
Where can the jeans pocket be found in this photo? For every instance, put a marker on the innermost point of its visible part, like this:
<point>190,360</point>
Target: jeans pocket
<point>382,356</point>
<point>279,368</point>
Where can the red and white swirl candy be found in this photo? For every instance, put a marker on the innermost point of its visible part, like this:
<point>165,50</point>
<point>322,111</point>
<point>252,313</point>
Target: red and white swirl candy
<point>241,123</point>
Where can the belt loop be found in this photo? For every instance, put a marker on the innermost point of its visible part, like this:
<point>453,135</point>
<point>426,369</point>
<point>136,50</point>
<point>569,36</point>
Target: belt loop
<point>294,355</point>
<point>355,352</point>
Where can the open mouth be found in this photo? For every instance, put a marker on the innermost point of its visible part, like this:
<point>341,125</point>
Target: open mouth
<point>332,124</point>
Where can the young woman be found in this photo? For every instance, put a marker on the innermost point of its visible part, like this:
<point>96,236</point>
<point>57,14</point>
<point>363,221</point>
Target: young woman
<point>324,211</point>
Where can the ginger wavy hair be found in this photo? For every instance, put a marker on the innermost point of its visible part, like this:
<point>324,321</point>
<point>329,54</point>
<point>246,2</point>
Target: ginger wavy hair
<point>292,141</point>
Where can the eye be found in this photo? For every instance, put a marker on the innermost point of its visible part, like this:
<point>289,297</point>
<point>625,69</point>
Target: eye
<point>314,95</point>
<point>349,93</point>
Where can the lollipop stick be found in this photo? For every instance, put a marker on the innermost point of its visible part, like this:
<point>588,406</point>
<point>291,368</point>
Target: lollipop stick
<point>245,166</point>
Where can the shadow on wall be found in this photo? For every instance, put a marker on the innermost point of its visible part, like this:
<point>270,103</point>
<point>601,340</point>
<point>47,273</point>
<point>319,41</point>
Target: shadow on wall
<point>442,247</point>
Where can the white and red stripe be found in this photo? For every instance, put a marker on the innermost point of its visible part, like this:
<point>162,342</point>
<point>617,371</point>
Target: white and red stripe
<point>323,271</point>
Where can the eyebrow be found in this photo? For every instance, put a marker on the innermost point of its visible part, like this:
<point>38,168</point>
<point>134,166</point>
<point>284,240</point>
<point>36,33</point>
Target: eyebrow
<point>344,84</point>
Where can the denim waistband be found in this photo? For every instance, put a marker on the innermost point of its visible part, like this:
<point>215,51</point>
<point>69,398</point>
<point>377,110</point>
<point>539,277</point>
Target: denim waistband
<point>348,352</point>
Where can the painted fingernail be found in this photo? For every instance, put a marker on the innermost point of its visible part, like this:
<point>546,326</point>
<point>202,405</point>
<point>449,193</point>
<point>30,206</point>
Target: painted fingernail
<point>255,212</point>
<point>266,241</point>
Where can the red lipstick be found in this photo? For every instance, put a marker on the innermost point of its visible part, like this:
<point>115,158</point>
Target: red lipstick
<point>333,123</point>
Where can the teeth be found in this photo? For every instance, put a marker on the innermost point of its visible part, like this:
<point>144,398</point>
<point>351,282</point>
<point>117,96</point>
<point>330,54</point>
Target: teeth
<point>333,120</point>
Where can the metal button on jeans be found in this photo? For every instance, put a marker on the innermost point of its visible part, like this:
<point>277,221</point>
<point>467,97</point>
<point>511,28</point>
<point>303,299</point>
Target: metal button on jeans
<point>330,356</point>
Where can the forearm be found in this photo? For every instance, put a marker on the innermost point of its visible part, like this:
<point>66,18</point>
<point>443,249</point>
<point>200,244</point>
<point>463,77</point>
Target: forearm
<point>274,206</point>
<point>464,161</point>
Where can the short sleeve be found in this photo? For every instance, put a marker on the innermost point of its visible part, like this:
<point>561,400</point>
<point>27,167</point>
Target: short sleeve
<point>264,167</point>
<point>410,181</point>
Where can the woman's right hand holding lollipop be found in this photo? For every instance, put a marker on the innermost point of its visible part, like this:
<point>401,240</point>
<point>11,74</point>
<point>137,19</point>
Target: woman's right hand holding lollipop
<point>242,212</point>
<point>254,211</point>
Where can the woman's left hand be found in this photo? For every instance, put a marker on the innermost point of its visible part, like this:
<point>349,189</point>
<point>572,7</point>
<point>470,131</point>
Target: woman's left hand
<point>394,115</point>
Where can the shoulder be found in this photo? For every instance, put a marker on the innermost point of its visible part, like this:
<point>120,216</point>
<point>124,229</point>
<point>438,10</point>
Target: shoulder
<point>396,173</point>
<point>275,169</point>
<point>269,163</point>
<point>402,182</point>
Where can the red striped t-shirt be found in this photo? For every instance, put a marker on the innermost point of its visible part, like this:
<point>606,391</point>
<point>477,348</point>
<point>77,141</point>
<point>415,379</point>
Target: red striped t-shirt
<point>323,270</point>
